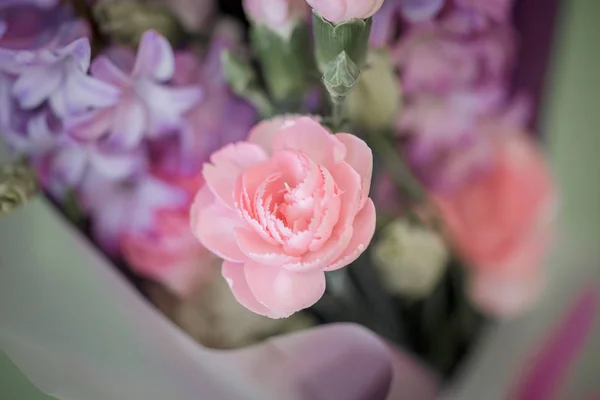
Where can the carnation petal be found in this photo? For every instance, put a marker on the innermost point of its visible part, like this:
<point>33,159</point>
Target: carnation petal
<point>214,226</point>
<point>309,137</point>
<point>360,157</point>
<point>259,250</point>
<point>363,231</point>
<point>235,277</point>
<point>227,164</point>
<point>264,132</point>
<point>281,291</point>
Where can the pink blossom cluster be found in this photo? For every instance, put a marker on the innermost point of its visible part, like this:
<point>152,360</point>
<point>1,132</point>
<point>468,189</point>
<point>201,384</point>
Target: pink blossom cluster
<point>126,133</point>
<point>464,136</point>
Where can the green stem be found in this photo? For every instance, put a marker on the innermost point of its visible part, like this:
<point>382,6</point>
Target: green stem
<point>260,101</point>
<point>337,112</point>
<point>397,168</point>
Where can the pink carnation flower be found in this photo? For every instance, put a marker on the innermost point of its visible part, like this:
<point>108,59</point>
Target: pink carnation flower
<point>284,207</point>
<point>344,10</point>
<point>500,222</point>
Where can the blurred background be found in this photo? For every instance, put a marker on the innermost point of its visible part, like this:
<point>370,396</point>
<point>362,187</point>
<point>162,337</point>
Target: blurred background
<point>569,120</point>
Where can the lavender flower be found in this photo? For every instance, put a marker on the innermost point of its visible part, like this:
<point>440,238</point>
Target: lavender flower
<point>146,105</point>
<point>56,73</point>
<point>220,117</point>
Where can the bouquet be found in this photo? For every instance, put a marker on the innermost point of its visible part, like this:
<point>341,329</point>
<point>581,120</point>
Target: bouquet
<point>347,160</point>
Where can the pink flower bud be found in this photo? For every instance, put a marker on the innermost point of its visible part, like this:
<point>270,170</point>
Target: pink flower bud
<point>343,10</point>
<point>278,15</point>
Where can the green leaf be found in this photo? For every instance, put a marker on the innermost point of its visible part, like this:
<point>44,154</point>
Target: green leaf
<point>287,63</point>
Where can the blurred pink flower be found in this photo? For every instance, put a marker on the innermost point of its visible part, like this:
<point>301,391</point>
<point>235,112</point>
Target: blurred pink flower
<point>438,120</point>
<point>496,10</point>
<point>278,15</point>
<point>343,10</point>
<point>146,106</point>
<point>169,253</point>
<point>284,207</point>
<point>125,207</point>
<point>431,60</point>
<point>500,222</point>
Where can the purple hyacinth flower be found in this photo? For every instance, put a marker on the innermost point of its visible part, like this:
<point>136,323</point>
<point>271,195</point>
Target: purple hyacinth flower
<point>218,119</point>
<point>57,73</point>
<point>121,207</point>
<point>147,105</point>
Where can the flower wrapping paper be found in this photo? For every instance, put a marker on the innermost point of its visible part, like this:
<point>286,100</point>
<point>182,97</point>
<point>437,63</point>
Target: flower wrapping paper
<point>91,387</point>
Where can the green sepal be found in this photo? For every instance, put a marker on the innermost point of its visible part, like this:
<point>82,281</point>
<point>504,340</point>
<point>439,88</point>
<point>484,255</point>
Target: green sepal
<point>331,39</point>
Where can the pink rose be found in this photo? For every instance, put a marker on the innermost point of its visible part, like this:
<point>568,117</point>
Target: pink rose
<point>343,10</point>
<point>284,207</point>
<point>278,15</point>
<point>500,222</point>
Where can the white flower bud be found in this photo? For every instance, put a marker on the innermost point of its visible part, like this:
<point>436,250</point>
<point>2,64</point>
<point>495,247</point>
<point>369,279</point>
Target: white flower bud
<point>410,259</point>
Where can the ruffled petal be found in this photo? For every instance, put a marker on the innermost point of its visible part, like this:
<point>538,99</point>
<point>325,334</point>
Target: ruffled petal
<point>259,250</point>
<point>311,138</point>
<point>360,157</point>
<point>349,185</point>
<point>264,132</point>
<point>364,229</point>
<point>281,291</point>
<point>155,58</point>
<point>234,275</point>
<point>227,164</point>
<point>214,225</point>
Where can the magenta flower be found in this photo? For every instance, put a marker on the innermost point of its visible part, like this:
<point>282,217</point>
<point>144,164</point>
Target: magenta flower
<point>125,207</point>
<point>146,106</point>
